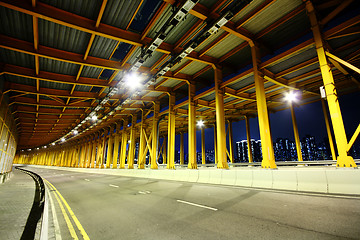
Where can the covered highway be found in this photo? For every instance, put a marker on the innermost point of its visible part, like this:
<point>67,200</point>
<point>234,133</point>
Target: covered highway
<point>105,105</point>
<point>113,207</point>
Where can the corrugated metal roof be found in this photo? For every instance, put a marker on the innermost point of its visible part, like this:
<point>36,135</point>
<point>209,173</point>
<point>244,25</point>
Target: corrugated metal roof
<point>102,47</point>
<point>22,80</point>
<point>16,24</point>
<point>17,58</point>
<point>209,40</point>
<point>50,65</point>
<point>302,71</point>
<point>291,60</point>
<point>90,72</point>
<point>61,37</point>
<point>82,88</point>
<point>247,9</point>
<point>227,44</point>
<point>85,8</point>
<point>181,29</point>
<point>229,99</point>
<point>209,97</point>
<point>171,83</point>
<point>118,13</point>
<point>153,94</point>
<point>193,68</point>
<point>271,14</point>
<point>55,85</point>
<point>287,31</point>
<point>153,59</point>
<point>243,82</point>
<point>208,3</point>
<point>160,22</point>
<point>178,65</point>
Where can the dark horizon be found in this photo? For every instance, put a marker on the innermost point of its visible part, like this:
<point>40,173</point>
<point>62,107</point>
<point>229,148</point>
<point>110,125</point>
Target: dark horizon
<point>310,120</point>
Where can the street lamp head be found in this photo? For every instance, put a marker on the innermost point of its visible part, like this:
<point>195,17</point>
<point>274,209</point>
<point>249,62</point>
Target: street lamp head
<point>200,123</point>
<point>291,97</point>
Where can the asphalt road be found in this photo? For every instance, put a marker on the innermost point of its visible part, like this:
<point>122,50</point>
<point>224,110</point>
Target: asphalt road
<point>113,207</point>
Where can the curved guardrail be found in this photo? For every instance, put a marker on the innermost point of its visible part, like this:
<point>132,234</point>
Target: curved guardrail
<point>37,208</point>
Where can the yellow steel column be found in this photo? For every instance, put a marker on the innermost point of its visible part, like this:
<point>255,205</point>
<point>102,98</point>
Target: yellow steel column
<point>296,133</point>
<point>343,160</point>
<point>131,153</point>
<point>328,129</point>
<point>141,157</point>
<point>164,156</point>
<point>154,136</point>
<point>215,145</point>
<point>203,145</point>
<point>264,125</point>
<point>89,152</point>
<point>116,146</point>
<point>171,133</point>
<point>102,150</point>
<point>192,128</point>
<point>220,120</point>
<point>110,147</point>
<point>182,153</point>
<point>231,144</point>
<point>249,148</point>
<point>93,152</point>
<point>123,145</point>
<point>83,154</point>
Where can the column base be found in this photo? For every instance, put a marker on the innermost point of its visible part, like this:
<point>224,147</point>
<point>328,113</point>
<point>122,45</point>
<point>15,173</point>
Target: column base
<point>223,165</point>
<point>345,162</point>
<point>192,166</point>
<point>268,164</point>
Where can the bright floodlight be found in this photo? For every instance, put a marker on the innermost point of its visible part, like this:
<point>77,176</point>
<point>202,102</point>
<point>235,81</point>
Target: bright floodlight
<point>53,144</point>
<point>133,80</point>
<point>94,118</point>
<point>200,123</point>
<point>37,148</point>
<point>290,97</point>
<point>75,132</point>
<point>45,146</point>
<point>63,139</point>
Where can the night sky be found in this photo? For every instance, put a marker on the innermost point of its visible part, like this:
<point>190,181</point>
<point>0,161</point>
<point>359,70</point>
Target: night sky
<point>310,120</point>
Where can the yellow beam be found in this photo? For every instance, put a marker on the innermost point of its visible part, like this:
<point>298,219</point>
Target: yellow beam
<point>192,127</point>
<point>296,133</point>
<point>171,133</point>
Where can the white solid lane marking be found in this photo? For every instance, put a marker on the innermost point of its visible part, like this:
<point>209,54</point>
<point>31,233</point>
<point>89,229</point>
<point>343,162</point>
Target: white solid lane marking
<point>111,185</point>
<point>87,180</point>
<point>147,191</point>
<point>196,205</point>
<point>141,192</point>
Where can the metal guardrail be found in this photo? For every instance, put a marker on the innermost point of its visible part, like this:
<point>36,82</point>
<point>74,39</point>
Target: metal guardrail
<point>36,213</point>
<point>258,164</point>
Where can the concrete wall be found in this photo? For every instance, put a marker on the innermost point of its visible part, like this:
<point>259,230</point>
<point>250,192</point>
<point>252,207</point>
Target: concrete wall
<point>304,179</point>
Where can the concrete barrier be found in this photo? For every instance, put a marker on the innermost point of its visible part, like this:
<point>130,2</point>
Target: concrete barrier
<point>285,179</point>
<point>262,178</point>
<point>343,181</point>
<point>305,179</point>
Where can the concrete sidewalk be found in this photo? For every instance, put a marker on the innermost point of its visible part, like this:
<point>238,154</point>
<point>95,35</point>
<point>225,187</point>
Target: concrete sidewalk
<point>16,199</point>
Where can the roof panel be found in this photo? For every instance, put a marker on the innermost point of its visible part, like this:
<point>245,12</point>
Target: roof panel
<point>82,88</point>
<point>247,9</point>
<point>16,24</point>
<point>226,45</point>
<point>61,37</point>
<point>17,58</point>
<point>86,8</point>
<point>55,85</point>
<point>21,80</point>
<point>171,83</point>
<point>209,40</point>
<point>193,68</point>
<point>50,65</point>
<point>102,47</point>
<point>118,13</point>
<point>90,72</point>
<point>181,29</point>
<point>270,14</point>
<point>243,82</point>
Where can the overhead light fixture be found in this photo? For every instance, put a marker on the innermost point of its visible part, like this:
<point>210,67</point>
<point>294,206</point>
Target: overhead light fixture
<point>63,139</point>
<point>291,96</point>
<point>75,131</point>
<point>200,123</point>
<point>94,117</point>
<point>53,144</point>
<point>133,80</point>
